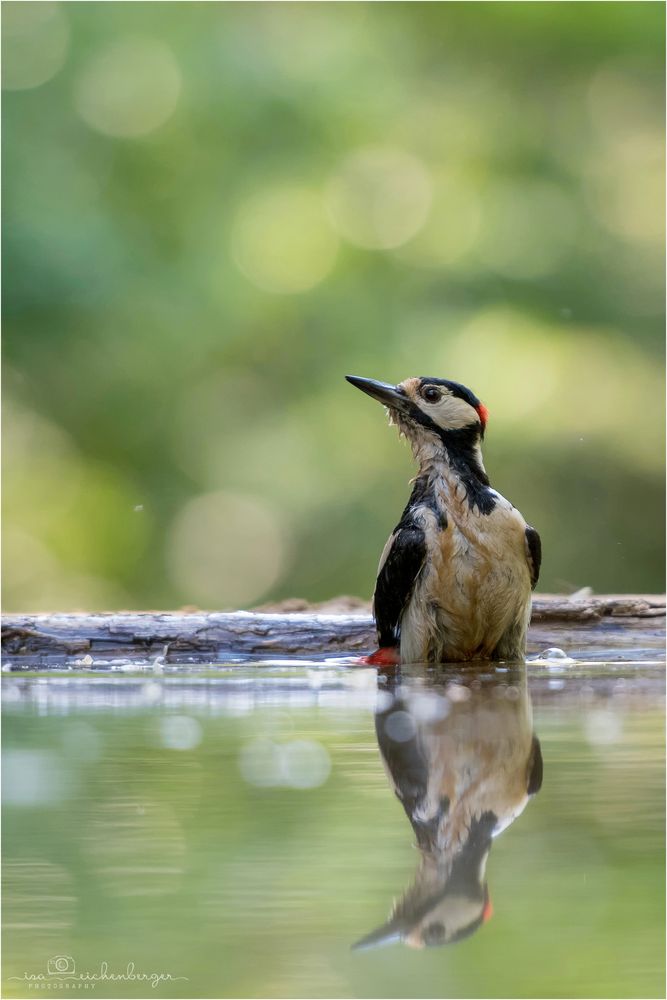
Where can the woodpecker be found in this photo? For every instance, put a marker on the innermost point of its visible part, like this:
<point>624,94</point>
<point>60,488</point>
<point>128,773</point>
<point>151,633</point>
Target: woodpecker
<point>455,577</point>
<point>465,774</point>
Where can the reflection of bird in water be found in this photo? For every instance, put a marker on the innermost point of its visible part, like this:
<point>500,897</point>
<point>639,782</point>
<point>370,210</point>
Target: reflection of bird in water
<point>463,760</point>
<point>455,576</point>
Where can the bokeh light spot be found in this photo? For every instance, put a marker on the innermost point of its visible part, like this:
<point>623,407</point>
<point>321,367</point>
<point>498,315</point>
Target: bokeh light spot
<point>259,763</point>
<point>55,556</point>
<point>603,727</point>
<point>451,228</point>
<point>281,241</point>
<point>634,212</point>
<point>491,337</point>
<point>621,106</point>
<point>428,706</point>
<point>35,40</point>
<point>550,377</point>
<point>380,198</point>
<point>180,732</point>
<point>305,764</point>
<point>294,764</point>
<point>33,778</point>
<point>129,89</point>
<point>225,549</point>
<point>400,726</point>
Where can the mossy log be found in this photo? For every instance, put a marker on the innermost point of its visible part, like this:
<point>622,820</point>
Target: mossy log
<point>616,627</point>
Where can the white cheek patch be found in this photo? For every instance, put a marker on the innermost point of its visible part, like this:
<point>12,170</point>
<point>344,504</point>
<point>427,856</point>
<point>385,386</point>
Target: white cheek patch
<point>451,413</point>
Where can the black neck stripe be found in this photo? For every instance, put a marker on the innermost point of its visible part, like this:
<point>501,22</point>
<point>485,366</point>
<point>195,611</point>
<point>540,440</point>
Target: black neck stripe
<point>460,449</point>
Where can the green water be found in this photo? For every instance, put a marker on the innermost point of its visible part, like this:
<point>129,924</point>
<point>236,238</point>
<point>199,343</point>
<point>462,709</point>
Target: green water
<point>239,830</point>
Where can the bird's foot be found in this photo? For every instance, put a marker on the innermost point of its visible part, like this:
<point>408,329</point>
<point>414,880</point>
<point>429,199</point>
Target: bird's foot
<point>386,656</point>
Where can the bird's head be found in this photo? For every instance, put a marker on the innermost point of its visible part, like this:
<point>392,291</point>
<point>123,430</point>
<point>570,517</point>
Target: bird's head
<point>444,920</point>
<point>449,897</point>
<point>429,407</point>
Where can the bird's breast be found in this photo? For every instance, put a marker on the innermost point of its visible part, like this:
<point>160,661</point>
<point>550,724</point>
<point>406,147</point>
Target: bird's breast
<point>476,581</point>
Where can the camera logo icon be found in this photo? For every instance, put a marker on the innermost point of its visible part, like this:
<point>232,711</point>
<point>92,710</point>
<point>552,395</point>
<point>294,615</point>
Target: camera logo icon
<point>61,965</point>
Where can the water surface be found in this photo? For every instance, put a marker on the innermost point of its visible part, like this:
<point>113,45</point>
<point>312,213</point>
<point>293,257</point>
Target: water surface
<point>242,827</point>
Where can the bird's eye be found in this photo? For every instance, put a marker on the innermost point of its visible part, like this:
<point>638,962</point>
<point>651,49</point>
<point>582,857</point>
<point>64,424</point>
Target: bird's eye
<point>431,394</point>
<point>434,934</point>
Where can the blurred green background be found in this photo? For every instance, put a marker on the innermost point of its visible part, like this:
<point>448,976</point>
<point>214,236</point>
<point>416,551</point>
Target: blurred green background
<point>213,212</point>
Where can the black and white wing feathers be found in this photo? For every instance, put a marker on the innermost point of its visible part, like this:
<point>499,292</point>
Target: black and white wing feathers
<point>533,555</point>
<point>400,566</point>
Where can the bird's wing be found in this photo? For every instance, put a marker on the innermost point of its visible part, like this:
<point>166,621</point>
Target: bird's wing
<point>533,555</point>
<point>535,767</point>
<point>401,561</point>
<point>405,761</point>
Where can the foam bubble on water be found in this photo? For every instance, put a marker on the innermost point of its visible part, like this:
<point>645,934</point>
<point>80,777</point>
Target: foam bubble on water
<point>584,592</point>
<point>553,653</point>
<point>554,657</point>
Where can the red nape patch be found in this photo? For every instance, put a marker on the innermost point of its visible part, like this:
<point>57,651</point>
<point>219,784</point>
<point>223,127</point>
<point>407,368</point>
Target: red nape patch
<point>487,912</point>
<point>387,656</point>
<point>483,414</point>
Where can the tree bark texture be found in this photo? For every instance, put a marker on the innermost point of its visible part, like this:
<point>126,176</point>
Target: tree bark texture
<point>612,627</point>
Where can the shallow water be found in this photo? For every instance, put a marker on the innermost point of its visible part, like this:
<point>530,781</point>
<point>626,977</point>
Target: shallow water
<point>238,829</point>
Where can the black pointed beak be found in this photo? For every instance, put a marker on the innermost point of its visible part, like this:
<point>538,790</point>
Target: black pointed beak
<point>388,395</point>
<point>390,933</point>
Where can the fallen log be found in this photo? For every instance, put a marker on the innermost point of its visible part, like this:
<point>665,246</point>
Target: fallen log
<point>612,627</point>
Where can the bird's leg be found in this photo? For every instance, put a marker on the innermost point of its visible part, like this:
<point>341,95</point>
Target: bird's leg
<point>385,656</point>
